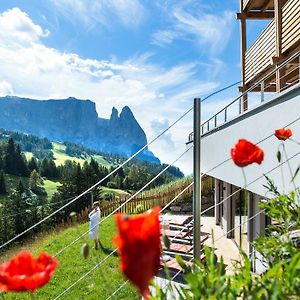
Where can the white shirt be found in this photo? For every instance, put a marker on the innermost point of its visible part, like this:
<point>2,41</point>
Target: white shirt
<point>94,217</point>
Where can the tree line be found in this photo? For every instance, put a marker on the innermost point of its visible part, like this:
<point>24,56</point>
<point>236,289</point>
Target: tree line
<point>40,147</point>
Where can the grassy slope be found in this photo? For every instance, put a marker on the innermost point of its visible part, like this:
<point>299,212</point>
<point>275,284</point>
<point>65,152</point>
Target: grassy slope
<point>60,156</point>
<point>51,187</point>
<point>28,155</point>
<point>98,285</point>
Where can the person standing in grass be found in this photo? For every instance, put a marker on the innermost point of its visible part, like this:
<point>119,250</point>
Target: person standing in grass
<point>94,217</point>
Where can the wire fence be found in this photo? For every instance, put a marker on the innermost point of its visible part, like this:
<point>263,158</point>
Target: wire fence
<point>129,204</point>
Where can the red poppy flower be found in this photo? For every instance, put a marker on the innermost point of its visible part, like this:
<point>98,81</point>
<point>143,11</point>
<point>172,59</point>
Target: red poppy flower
<point>25,273</point>
<point>283,134</point>
<point>245,153</point>
<point>138,243</point>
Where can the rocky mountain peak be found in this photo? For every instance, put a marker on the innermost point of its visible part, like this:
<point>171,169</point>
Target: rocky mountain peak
<point>114,115</point>
<point>75,121</point>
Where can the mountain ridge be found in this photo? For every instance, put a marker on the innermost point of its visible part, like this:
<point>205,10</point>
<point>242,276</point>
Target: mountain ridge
<point>75,120</point>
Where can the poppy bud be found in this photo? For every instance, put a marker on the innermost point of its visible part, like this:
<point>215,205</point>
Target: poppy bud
<point>85,250</point>
<point>167,242</point>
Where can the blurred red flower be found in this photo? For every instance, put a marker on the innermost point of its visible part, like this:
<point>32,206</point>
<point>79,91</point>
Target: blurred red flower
<point>283,134</point>
<point>138,242</point>
<point>25,273</point>
<point>245,153</point>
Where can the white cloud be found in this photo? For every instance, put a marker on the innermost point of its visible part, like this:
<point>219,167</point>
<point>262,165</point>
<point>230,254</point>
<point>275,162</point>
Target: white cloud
<point>18,29</point>
<point>165,37</point>
<point>158,126</point>
<point>156,95</point>
<point>211,31</point>
<point>130,13</point>
<point>5,88</point>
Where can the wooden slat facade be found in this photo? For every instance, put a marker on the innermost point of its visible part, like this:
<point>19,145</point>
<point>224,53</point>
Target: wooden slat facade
<point>290,25</point>
<point>258,58</point>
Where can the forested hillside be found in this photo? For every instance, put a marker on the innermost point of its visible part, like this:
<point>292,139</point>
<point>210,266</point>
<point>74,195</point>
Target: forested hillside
<point>54,173</point>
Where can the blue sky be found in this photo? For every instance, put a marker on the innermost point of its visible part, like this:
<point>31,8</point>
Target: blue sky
<point>154,56</point>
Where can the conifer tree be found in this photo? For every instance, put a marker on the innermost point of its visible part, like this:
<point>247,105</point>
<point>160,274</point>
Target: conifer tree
<point>18,207</point>
<point>9,157</point>
<point>20,161</point>
<point>52,169</point>
<point>2,184</point>
<point>35,180</point>
<point>33,164</point>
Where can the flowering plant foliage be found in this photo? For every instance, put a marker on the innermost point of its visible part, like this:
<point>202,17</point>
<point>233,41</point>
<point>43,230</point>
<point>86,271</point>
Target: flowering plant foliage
<point>208,279</point>
<point>25,273</point>
<point>245,153</point>
<point>138,243</point>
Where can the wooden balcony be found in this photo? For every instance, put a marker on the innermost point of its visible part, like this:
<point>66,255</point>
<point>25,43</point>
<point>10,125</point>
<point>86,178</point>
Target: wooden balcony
<point>260,57</point>
<point>258,5</point>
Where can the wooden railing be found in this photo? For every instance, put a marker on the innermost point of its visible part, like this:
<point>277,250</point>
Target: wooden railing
<point>148,199</point>
<point>258,56</point>
<point>144,201</point>
<point>290,25</point>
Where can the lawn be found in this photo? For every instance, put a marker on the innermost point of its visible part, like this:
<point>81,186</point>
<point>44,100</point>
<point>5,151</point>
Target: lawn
<point>51,187</point>
<point>61,156</point>
<point>98,285</point>
<point>102,161</point>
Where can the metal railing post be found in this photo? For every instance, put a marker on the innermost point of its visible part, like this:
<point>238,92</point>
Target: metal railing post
<point>197,179</point>
<point>262,91</point>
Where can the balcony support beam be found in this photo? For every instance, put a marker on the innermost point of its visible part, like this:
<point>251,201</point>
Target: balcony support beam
<point>243,46</point>
<point>278,32</point>
<point>255,15</point>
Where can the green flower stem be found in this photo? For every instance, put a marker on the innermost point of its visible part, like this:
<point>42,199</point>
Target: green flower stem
<point>281,167</point>
<point>169,278</point>
<point>104,279</point>
<point>32,296</point>
<point>290,168</point>
<point>245,206</point>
